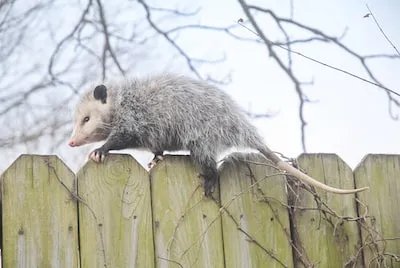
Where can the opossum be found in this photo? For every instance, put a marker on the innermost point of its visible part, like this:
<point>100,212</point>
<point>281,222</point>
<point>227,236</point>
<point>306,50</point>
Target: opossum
<point>170,113</point>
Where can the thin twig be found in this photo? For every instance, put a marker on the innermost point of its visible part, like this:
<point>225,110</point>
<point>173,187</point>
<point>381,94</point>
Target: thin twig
<point>280,45</point>
<point>380,28</point>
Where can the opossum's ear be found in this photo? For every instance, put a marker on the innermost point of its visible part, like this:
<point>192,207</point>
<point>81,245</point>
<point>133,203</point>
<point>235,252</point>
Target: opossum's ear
<point>100,93</point>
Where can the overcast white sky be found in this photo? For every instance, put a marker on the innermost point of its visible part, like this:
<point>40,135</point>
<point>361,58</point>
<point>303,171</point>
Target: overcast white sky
<point>349,118</point>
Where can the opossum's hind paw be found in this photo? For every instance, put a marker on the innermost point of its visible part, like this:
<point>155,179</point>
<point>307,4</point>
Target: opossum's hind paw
<point>98,155</point>
<point>157,158</point>
<point>208,183</point>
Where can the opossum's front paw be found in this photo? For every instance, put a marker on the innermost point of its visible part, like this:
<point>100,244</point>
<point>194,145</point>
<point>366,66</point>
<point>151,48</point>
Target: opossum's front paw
<point>155,160</point>
<point>98,155</point>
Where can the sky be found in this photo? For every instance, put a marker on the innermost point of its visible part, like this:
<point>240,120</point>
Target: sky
<point>348,117</point>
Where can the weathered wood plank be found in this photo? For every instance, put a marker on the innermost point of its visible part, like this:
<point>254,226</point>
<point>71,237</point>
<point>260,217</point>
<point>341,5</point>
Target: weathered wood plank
<point>256,222</point>
<point>116,228</point>
<point>115,215</point>
<point>187,225</point>
<point>323,237</point>
<point>381,204</point>
<point>40,227</point>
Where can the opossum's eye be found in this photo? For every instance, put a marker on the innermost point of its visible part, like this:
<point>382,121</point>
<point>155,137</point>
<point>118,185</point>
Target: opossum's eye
<point>86,119</point>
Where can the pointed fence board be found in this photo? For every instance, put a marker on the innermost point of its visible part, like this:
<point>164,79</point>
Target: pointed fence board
<point>187,225</point>
<point>381,231</point>
<point>255,218</point>
<point>115,214</point>
<point>40,225</point>
<point>323,238</point>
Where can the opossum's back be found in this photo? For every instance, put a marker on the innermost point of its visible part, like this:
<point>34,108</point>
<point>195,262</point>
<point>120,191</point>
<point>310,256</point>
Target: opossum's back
<point>190,106</point>
<point>181,97</point>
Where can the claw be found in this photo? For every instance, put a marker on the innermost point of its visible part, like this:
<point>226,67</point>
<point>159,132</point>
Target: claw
<point>98,155</point>
<point>151,164</point>
<point>154,161</point>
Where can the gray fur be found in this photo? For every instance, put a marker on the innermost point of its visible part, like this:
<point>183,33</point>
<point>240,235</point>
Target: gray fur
<point>170,113</point>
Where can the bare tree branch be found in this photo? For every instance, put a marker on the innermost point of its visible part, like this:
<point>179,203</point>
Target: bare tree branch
<point>380,29</point>
<point>81,21</point>
<point>107,45</point>
<point>73,58</point>
<point>43,54</point>
<point>286,69</point>
<point>166,34</point>
<point>189,61</point>
<point>320,37</point>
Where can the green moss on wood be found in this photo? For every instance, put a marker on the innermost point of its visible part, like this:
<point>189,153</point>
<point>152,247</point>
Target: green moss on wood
<point>115,214</point>
<point>327,240</point>
<point>382,205</point>
<point>40,227</point>
<point>187,225</point>
<point>121,206</point>
<point>256,221</point>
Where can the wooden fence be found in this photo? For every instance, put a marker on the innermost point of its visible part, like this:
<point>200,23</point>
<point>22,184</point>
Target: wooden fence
<point>117,214</point>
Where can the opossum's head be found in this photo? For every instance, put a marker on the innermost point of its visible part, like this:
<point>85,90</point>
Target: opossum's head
<point>92,120</point>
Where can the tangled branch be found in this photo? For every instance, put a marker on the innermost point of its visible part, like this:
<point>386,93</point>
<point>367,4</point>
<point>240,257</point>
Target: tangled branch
<point>317,36</point>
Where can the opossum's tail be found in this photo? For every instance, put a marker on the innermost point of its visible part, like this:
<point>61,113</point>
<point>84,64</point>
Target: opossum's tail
<point>304,177</point>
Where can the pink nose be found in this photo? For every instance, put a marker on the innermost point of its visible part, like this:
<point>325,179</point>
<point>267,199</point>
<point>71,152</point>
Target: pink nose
<point>72,143</point>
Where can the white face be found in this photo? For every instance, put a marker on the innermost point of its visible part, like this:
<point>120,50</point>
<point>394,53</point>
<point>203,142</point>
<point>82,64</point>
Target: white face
<point>90,123</point>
